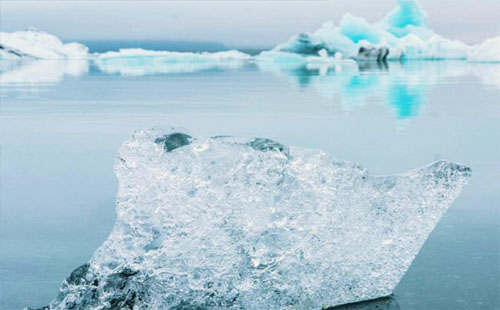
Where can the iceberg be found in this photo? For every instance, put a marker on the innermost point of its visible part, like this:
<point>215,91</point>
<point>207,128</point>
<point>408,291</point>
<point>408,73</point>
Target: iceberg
<point>136,61</point>
<point>249,223</point>
<point>35,44</point>
<point>488,51</point>
<point>401,34</point>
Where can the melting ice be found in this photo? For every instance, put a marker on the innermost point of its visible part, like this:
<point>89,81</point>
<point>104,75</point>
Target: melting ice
<point>249,223</point>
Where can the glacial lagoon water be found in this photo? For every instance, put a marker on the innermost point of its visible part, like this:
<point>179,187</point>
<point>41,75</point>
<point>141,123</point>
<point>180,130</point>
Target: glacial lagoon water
<point>62,123</point>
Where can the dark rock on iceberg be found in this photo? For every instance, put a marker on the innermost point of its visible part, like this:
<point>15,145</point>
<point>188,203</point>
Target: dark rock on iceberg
<point>373,53</point>
<point>173,141</point>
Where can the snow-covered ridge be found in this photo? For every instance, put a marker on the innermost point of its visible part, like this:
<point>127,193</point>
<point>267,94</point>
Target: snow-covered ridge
<point>249,223</point>
<point>35,44</point>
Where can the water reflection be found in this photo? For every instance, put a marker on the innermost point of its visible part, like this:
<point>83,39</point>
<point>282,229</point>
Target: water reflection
<point>37,72</point>
<point>386,303</point>
<point>400,86</point>
<point>367,66</point>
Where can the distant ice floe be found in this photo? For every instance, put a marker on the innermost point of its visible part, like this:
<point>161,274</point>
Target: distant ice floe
<point>35,44</point>
<point>138,61</point>
<point>401,35</point>
<point>249,223</point>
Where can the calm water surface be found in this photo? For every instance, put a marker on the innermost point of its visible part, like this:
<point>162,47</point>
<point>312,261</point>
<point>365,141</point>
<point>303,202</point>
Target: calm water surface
<point>62,123</point>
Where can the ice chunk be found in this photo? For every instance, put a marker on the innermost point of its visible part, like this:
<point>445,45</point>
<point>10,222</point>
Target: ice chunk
<point>245,223</point>
<point>33,43</point>
<point>136,61</point>
<point>488,51</point>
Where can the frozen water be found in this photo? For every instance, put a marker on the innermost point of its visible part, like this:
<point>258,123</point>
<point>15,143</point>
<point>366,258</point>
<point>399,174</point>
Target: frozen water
<point>402,34</point>
<point>249,223</point>
<point>33,43</point>
<point>488,51</point>
<point>138,61</point>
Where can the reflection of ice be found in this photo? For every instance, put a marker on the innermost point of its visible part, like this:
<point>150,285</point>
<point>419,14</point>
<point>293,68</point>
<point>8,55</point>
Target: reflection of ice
<point>402,86</point>
<point>41,71</point>
<point>136,62</point>
<point>406,100</point>
<point>489,74</point>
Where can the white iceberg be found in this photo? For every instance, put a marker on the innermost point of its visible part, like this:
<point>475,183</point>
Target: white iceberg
<point>488,51</point>
<point>248,223</point>
<point>35,44</point>
<point>136,61</point>
<point>401,34</point>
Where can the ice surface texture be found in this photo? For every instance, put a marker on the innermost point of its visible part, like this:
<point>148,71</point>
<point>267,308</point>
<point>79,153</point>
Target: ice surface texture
<point>36,44</point>
<point>247,223</point>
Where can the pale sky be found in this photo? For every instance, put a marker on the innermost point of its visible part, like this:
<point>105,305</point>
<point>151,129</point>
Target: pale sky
<point>234,23</point>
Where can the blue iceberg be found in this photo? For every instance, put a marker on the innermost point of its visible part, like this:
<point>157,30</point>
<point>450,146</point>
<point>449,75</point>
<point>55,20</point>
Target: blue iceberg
<point>401,34</point>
